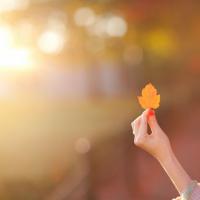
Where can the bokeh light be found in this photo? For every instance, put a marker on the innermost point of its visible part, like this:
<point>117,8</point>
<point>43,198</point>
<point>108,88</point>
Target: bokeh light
<point>51,42</point>
<point>70,74</point>
<point>161,42</point>
<point>84,16</point>
<point>10,5</point>
<point>12,57</point>
<point>54,38</point>
<point>109,26</point>
<point>99,27</point>
<point>116,26</point>
<point>15,59</point>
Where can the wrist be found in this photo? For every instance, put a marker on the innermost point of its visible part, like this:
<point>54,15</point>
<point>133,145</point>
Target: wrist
<point>166,156</point>
<point>168,159</point>
<point>175,171</point>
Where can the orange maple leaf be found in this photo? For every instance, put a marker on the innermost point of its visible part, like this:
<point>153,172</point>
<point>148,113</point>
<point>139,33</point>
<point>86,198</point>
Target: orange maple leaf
<point>149,98</point>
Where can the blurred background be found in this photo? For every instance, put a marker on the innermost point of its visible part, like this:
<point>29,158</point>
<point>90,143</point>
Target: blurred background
<point>70,74</point>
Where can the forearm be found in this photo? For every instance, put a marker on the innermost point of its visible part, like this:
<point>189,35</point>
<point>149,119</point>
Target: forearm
<point>175,171</point>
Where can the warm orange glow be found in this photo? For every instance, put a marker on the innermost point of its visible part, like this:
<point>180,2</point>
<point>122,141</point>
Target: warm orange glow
<point>11,57</point>
<point>15,59</point>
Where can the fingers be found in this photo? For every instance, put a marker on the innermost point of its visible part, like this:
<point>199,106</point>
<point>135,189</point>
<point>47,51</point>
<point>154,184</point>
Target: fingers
<point>152,121</point>
<point>140,127</point>
<point>148,116</point>
<point>140,123</point>
<point>143,125</point>
<point>135,125</point>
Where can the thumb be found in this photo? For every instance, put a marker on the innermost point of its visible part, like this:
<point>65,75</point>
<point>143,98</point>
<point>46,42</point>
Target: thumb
<point>143,125</point>
<point>152,121</point>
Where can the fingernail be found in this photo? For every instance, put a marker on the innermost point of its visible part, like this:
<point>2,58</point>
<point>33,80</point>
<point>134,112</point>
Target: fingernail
<point>151,112</point>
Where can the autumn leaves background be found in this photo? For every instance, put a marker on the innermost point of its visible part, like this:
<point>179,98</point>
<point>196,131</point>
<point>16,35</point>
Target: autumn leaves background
<point>65,119</point>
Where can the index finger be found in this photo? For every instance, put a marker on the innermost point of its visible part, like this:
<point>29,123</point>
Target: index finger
<point>143,126</point>
<point>135,125</point>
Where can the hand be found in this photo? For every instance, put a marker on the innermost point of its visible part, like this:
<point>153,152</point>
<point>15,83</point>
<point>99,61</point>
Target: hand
<point>156,143</point>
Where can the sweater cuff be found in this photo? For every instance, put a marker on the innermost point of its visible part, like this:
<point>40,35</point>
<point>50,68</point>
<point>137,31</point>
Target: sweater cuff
<point>188,193</point>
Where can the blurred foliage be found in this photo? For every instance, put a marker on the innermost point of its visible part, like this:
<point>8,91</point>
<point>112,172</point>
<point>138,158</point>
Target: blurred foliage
<point>71,103</point>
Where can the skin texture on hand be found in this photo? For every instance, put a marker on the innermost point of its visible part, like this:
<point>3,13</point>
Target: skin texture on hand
<point>158,145</point>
